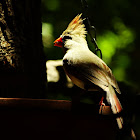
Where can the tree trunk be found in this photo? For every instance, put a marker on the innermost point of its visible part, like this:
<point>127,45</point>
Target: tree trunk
<point>22,61</point>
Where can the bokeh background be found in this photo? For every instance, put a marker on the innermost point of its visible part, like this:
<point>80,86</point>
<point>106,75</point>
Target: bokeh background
<point>118,32</point>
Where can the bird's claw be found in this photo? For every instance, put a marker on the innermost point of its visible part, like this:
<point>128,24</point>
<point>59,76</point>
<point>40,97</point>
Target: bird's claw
<point>101,108</point>
<point>102,105</point>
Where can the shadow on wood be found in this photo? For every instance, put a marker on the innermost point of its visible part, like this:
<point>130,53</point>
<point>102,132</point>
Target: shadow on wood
<point>53,119</point>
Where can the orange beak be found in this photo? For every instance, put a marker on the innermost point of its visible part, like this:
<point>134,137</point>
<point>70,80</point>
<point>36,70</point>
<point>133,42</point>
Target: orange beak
<point>58,42</point>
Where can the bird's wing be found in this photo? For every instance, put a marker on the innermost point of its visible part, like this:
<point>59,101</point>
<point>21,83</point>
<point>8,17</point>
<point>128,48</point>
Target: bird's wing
<point>99,75</point>
<point>86,72</point>
<point>110,76</point>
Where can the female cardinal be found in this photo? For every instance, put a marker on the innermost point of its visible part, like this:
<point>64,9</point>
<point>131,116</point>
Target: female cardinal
<point>84,68</point>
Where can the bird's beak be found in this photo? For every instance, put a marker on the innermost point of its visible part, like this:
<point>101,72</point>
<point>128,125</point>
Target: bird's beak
<point>58,42</point>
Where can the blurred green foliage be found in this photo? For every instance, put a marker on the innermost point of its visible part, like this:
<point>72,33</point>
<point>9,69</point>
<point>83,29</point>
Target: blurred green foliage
<point>117,24</point>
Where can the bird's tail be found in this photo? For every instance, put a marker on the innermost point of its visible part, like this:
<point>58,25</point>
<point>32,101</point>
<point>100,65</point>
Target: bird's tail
<point>116,108</point>
<point>115,105</point>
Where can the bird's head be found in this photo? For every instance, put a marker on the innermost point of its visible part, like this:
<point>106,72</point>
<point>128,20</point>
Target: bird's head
<point>75,31</point>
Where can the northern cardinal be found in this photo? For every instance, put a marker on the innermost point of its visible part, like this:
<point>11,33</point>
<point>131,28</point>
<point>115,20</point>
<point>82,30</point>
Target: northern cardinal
<point>85,69</point>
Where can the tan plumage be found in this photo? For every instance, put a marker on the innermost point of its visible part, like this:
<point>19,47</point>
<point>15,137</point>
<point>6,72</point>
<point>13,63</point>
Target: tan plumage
<point>86,69</point>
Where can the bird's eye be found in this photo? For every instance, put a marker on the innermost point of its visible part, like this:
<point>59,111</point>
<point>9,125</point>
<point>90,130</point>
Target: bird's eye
<point>66,37</point>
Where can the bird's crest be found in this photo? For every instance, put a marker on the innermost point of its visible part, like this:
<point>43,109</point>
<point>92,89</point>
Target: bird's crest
<point>76,27</point>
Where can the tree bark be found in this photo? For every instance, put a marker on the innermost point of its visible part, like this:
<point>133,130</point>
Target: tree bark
<point>22,61</point>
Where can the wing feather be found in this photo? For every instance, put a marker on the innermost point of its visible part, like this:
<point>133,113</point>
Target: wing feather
<point>100,76</point>
<point>110,77</point>
<point>86,74</point>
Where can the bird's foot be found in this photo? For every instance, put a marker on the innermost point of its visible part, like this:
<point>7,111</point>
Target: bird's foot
<point>104,110</point>
<point>101,103</point>
<point>102,106</point>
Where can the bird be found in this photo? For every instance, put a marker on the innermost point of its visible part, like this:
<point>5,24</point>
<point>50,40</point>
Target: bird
<point>86,69</point>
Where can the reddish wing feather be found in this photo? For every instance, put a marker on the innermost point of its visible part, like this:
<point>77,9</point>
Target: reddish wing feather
<point>113,81</point>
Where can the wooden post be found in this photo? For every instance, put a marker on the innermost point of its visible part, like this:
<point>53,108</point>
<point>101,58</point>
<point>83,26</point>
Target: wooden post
<point>22,61</point>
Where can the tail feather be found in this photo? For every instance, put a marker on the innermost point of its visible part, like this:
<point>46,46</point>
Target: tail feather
<point>133,134</point>
<point>120,122</point>
<point>117,108</point>
<point>113,100</point>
